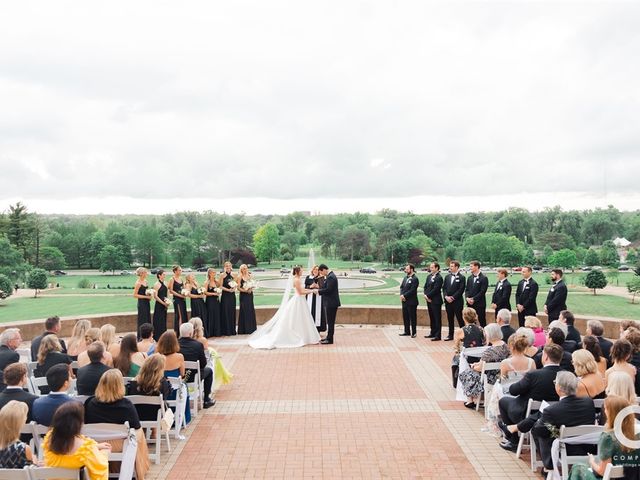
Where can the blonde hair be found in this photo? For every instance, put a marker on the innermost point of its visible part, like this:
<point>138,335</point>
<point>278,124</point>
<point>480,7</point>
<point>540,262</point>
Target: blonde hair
<point>191,279</point>
<point>94,334</point>
<point>12,417</point>
<point>108,334</point>
<point>470,316</point>
<point>110,387</point>
<point>151,374</point>
<point>209,279</point>
<point>49,343</point>
<point>198,328</point>
<point>228,264</point>
<point>621,384</point>
<point>532,322</point>
<point>79,331</point>
<point>584,362</point>
<point>613,405</point>
<point>140,271</point>
<point>313,268</point>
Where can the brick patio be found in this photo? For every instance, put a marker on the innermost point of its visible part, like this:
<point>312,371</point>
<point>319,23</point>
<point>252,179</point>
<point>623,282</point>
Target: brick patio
<point>373,405</point>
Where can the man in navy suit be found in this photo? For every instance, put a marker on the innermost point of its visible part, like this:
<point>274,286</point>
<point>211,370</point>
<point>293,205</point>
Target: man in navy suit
<point>477,285</point>
<point>15,376</point>
<point>409,299</point>
<point>453,289</point>
<point>58,381</point>
<point>433,295</point>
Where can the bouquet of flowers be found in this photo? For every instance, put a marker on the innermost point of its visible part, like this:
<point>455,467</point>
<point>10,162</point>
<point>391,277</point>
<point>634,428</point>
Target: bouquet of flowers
<point>184,292</point>
<point>251,284</point>
<point>218,290</point>
<point>151,293</point>
<point>233,284</point>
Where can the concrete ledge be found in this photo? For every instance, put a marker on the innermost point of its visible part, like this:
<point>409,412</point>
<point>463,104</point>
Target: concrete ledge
<point>350,315</point>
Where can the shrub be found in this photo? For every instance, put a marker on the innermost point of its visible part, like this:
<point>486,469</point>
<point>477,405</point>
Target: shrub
<point>84,283</point>
<point>37,279</point>
<point>5,286</point>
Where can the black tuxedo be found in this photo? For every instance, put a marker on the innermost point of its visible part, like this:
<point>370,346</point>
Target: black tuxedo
<point>574,334</point>
<point>571,411</point>
<point>409,289</point>
<point>433,291</point>
<point>35,345</point>
<point>476,289</point>
<point>556,300</point>
<point>193,351</point>
<point>7,357</point>
<point>89,376</point>
<point>565,364</point>
<point>526,294</point>
<point>502,296</point>
<point>453,286</point>
<point>330,302</point>
<point>19,395</point>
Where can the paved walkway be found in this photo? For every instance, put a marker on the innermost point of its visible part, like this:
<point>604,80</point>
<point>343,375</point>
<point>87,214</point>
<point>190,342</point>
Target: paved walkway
<point>373,405</point>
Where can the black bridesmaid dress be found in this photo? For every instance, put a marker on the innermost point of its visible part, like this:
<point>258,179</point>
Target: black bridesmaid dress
<point>247,317</point>
<point>160,313</point>
<point>179,307</point>
<point>197,308</point>
<point>213,324</point>
<point>228,308</point>
<point>308,281</point>
<point>144,307</point>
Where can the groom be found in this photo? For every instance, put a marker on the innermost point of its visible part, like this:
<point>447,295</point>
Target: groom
<point>330,300</point>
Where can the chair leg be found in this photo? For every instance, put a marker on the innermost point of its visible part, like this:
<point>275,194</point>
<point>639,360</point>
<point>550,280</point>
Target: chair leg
<point>520,445</point>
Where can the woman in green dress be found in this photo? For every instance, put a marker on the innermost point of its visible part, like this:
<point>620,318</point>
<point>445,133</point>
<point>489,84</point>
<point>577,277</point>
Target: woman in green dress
<point>129,360</point>
<point>610,450</point>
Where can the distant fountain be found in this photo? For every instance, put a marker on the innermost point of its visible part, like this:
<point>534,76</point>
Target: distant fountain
<point>312,260</point>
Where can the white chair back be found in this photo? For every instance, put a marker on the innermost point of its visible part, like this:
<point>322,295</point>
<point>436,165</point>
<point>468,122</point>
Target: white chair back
<point>179,405</point>
<point>50,473</point>
<point>38,432</point>
<point>569,432</point>
<point>25,354</point>
<point>37,383</point>
<point>103,432</point>
<point>150,425</point>
<point>14,474</point>
<point>613,471</point>
<point>31,366</point>
<point>486,367</point>
<point>195,386</point>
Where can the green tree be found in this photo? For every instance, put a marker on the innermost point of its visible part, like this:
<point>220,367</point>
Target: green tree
<point>51,258</point>
<point>11,262</point>
<point>37,279</point>
<point>609,254</point>
<point>110,259</point>
<point>148,245</point>
<point>601,225</point>
<point>517,222</point>
<point>633,286</point>
<point>494,249</point>
<point>183,250</point>
<point>591,258</point>
<point>547,253</point>
<point>266,242</point>
<point>555,240</point>
<point>19,228</point>
<point>564,258</point>
<point>595,279</point>
<point>353,243</point>
<point>291,242</point>
<point>632,257</point>
<point>6,287</point>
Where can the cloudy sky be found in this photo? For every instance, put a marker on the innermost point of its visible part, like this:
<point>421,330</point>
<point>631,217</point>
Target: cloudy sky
<point>326,106</point>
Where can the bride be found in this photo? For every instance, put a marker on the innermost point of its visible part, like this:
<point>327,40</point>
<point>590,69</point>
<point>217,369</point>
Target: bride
<point>292,326</point>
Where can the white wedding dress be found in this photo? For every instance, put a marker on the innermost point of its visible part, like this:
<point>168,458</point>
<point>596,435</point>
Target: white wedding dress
<point>292,326</point>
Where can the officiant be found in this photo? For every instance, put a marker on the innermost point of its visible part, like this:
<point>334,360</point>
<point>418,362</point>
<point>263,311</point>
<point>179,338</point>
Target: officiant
<point>311,281</point>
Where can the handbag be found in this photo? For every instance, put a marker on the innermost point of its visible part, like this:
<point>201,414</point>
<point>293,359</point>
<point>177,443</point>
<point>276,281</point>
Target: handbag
<point>167,420</point>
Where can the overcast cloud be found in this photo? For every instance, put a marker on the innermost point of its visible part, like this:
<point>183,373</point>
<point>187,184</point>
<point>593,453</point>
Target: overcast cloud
<point>123,106</point>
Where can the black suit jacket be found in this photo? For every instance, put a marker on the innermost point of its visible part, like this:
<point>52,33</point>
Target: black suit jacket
<point>433,288</point>
<point>605,346</point>
<point>19,395</point>
<point>526,296</point>
<point>193,351</point>
<point>35,345</point>
<point>409,289</point>
<point>89,376</point>
<point>565,364</point>
<point>477,290</point>
<point>537,384</point>
<point>329,292</point>
<point>507,331</point>
<point>556,300</point>
<point>573,334</point>
<point>502,295</point>
<point>7,357</point>
<point>453,286</point>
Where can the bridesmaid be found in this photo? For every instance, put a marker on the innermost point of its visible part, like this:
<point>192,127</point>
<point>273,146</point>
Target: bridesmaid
<point>144,297</point>
<point>247,317</point>
<point>161,307</point>
<point>179,303</point>
<point>197,299</point>
<point>228,302</point>
<point>213,324</point>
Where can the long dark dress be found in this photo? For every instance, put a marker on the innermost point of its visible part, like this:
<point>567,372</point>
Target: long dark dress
<point>213,324</point>
<point>228,308</point>
<point>247,316</point>
<point>160,313</point>
<point>144,307</point>
<point>197,306</point>
<point>308,281</point>
<point>179,307</point>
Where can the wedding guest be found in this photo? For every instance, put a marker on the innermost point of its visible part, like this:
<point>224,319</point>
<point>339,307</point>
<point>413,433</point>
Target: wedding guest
<point>595,328</point>
<point>109,338</point>
<point>50,354</point>
<point>590,343</point>
<point>144,296</point>
<point>471,335</point>
<point>453,290</point>
<point>198,333</point>
<point>535,324</point>
<point>409,299</point>
<point>52,327</point>
<point>13,452</point>
<point>590,382</point>
<point>247,315</point>
<point>212,304</point>
<point>501,298</point>
<point>476,290</point>
<point>77,343</point>
<point>89,375</point>
<point>228,302</point>
<point>58,381</point>
<point>433,295</point>
<point>633,337</point>
<point>174,364</point>
<point>147,343</point>
<point>620,355</point>
<point>621,385</point>
<point>10,340</point>
<point>568,318</point>
<point>16,377</point>
<point>129,359</point>
<point>161,305</point>
<point>503,319</point>
<point>94,335</point>
<point>556,336</point>
<point>176,287</point>
<point>568,345</point>
<point>193,351</point>
<point>628,325</point>
<point>517,363</point>
<point>557,296</point>
<point>526,295</point>
<point>196,296</point>
<point>151,382</point>
<point>470,379</point>
<point>65,447</point>
<point>531,351</point>
<point>312,281</point>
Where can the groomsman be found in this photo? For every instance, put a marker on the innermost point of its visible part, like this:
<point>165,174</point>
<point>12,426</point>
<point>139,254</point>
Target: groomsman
<point>453,289</point>
<point>409,298</point>
<point>526,295</point>
<point>433,295</point>
<point>502,294</point>
<point>477,285</point>
<point>557,297</point>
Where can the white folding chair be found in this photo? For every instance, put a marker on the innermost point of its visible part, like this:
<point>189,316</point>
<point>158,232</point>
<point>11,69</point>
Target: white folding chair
<point>179,405</point>
<point>486,387</point>
<point>31,366</point>
<point>36,384</point>
<point>25,354</point>
<point>568,432</point>
<point>195,386</point>
<point>49,473</point>
<point>149,425</point>
<point>526,439</point>
<point>103,432</point>
<point>38,432</point>
<point>613,471</point>
<point>14,474</point>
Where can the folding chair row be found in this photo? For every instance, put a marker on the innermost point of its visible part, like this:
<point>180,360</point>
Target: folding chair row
<point>41,473</point>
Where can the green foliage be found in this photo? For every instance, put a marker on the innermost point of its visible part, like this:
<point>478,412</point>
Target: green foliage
<point>51,258</point>
<point>266,243</point>
<point>632,257</point>
<point>353,243</point>
<point>183,250</point>
<point>633,286</point>
<point>5,286</point>
<point>37,279</point>
<point>494,249</point>
<point>595,279</point>
<point>148,245</point>
<point>601,225</point>
<point>84,283</point>
<point>110,259</point>
<point>555,240</point>
<point>564,258</point>
<point>11,262</point>
<point>591,258</point>
<point>609,254</point>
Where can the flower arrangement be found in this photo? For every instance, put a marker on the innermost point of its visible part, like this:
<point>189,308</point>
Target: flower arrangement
<point>200,291</point>
<point>184,292</point>
<point>251,284</point>
<point>218,290</point>
<point>233,284</point>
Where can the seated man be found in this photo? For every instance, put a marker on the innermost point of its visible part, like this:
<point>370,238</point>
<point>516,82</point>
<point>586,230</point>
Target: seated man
<point>193,351</point>
<point>15,376</point>
<point>595,328</point>
<point>51,326</point>
<point>570,411</point>
<point>504,320</point>
<point>58,381</point>
<point>89,375</point>
<point>10,340</point>
<point>567,318</point>
<point>556,336</point>
<point>568,345</point>
<point>536,384</point>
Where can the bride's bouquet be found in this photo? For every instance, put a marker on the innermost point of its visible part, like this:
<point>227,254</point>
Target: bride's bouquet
<point>233,284</point>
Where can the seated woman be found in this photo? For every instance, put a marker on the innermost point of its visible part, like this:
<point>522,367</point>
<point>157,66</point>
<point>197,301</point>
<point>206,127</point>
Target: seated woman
<point>93,335</point>
<point>147,344</point>
<point>76,344</point>
<point>151,382</point>
<point>610,450</point>
<point>50,354</point>
<point>110,406</point>
<point>590,382</point>
<point>620,355</point>
<point>497,352</point>
<point>471,335</point>
<point>13,452</point>
<point>535,324</point>
<point>110,339</point>
<point>129,359</point>
<point>518,363</point>
<point>65,447</point>
<point>198,332</point>
<point>591,344</point>
<point>174,364</point>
